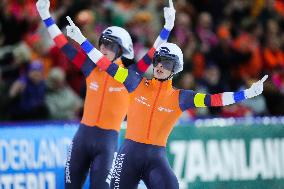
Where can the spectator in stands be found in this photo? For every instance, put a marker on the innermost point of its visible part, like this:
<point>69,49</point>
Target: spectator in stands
<point>278,79</point>
<point>249,42</point>
<point>141,38</point>
<point>275,94</point>
<point>205,33</point>
<point>187,82</point>
<point>28,93</point>
<point>225,57</point>
<point>187,40</point>
<point>39,52</point>
<point>273,55</point>
<point>62,102</point>
<point>86,21</point>
<point>268,12</point>
<point>211,82</point>
<point>13,26</point>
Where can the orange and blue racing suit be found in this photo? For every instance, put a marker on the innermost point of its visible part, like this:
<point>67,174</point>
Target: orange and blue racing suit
<point>106,103</point>
<point>154,108</point>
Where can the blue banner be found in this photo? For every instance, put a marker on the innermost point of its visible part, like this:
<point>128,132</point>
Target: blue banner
<point>32,156</point>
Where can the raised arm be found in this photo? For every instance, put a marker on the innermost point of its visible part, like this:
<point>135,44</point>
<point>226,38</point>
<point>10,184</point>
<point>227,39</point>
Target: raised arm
<point>169,15</point>
<point>78,58</point>
<point>129,78</point>
<point>190,99</point>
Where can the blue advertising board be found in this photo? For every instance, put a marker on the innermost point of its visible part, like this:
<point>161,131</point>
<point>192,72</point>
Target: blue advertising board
<point>32,156</point>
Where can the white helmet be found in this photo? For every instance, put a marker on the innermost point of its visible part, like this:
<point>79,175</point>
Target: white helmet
<point>172,52</point>
<point>122,37</point>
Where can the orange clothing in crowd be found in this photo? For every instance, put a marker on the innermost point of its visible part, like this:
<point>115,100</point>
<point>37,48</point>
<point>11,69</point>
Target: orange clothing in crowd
<point>279,7</point>
<point>253,67</point>
<point>273,59</point>
<point>46,60</point>
<point>198,61</point>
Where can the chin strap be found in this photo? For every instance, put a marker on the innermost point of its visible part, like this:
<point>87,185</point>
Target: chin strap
<point>127,62</point>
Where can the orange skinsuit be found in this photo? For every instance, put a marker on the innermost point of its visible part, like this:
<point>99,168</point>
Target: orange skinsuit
<point>155,106</point>
<point>95,143</point>
<point>106,101</point>
<point>153,111</point>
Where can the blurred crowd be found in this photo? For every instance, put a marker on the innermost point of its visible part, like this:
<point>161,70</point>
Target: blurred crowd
<point>227,45</point>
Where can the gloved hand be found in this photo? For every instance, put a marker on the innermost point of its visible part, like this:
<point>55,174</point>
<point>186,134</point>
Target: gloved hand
<point>169,15</point>
<point>256,88</point>
<point>43,8</point>
<point>74,32</point>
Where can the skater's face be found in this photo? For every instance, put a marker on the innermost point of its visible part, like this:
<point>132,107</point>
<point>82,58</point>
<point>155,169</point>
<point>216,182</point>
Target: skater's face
<point>110,48</point>
<point>107,52</point>
<point>163,68</point>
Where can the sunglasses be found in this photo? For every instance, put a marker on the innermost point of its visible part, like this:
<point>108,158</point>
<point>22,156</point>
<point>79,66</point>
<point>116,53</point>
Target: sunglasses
<point>109,44</point>
<point>167,63</point>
